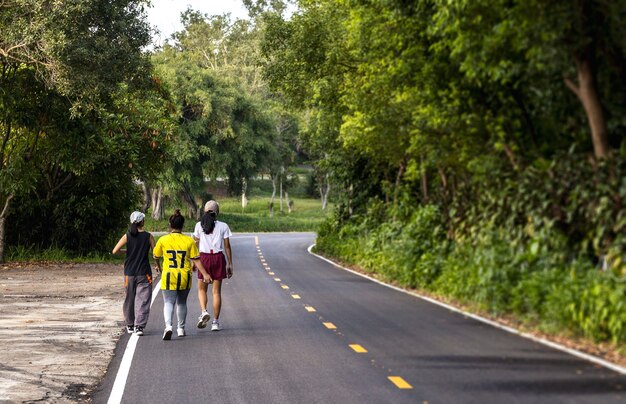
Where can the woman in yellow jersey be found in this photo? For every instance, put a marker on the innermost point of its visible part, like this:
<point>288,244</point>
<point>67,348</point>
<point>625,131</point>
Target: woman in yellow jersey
<point>177,251</point>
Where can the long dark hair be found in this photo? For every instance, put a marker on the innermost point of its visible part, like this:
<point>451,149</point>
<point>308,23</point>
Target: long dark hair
<point>208,222</point>
<point>134,228</point>
<point>177,221</point>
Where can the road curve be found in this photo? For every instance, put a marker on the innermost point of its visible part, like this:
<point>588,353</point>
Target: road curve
<point>298,330</point>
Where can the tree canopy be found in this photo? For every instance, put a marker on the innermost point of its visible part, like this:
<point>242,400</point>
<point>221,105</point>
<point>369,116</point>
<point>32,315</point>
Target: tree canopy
<point>75,92</point>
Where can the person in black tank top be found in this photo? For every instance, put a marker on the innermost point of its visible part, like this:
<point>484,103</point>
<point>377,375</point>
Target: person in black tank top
<point>137,274</point>
<point>137,253</point>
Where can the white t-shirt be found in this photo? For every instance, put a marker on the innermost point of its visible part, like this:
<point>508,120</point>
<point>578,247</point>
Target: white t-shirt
<point>214,242</point>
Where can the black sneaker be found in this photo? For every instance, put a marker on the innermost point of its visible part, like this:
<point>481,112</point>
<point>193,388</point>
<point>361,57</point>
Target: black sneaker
<point>167,334</point>
<point>139,331</point>
<point>130,329</point>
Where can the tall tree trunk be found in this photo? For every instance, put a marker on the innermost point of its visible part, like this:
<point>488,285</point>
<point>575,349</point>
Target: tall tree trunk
<point>350,198</point>
<point>288,201</point>
<point>147,198</point>
<point>325,190</point>
<point>444,183</point>
<point>154,196</point>
<point>190,200</point>
<point>200,205</point>
<point>157,203</point>
<point>273,177</point>
<point>244,189</point>
<point>3,216</point>
<point>281,193</point>
<point>399,176</point>
<point>587,93</point>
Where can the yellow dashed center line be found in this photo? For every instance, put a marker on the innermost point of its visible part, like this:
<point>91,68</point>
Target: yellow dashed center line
<point>399,382</point>
<point>256,240</point>
<point>330,326</point>
<point>271,273</point>
<point>277,279</point>
<point>358,348</point>
<point>296,296</point>
<point>284,286</point>
<point>310,309</point>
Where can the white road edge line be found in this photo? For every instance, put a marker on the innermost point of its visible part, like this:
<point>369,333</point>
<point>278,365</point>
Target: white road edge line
<point>582,355</point>
<point>117,392</point>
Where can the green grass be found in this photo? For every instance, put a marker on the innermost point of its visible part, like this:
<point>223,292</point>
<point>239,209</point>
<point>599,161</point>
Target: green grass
<point>306,215</point>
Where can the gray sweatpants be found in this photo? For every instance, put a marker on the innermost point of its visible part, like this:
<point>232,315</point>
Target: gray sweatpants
<point>137,301</point>
<point>178,298</point>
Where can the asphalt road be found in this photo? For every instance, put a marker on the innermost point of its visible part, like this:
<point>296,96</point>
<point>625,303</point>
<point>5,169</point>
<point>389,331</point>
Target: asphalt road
<point>275,349</point>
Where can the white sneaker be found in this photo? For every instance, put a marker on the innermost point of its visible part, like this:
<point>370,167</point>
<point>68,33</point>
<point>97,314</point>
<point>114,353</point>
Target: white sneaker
<point>181,332</point>
<point>203,319</point>
<point>215,326</point>
<point>167,334</point>
<point>139,331</point>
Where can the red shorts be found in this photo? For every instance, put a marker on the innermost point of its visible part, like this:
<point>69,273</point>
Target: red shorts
<point>215,265</point>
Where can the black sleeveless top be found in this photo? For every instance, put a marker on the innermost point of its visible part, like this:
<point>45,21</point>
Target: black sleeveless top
<point>137,249</point>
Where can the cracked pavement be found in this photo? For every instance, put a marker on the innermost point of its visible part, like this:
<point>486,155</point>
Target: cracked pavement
<point>59,324</point>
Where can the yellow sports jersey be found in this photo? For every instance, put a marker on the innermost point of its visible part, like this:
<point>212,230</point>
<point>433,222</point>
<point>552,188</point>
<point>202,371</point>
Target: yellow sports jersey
<point>176,250</point>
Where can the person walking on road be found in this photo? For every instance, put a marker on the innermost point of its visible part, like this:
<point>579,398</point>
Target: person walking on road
<point>177,251</point>
<point>137,274</point>
<point>213,239</point>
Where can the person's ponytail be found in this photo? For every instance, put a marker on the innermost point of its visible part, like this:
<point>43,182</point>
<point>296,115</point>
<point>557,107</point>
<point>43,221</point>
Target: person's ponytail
<point>134,229</point>
<point>208,222</point>
<point>177,221</point>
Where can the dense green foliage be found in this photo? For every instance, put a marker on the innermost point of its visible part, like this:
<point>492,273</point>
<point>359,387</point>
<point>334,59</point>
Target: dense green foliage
<point>93,126</point>
<point>228,125</point>
<point>476,146</point>
<point>80,118</point>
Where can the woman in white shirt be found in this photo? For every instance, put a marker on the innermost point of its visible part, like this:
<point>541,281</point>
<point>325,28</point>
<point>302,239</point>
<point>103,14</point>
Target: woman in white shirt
<point>213,241</point>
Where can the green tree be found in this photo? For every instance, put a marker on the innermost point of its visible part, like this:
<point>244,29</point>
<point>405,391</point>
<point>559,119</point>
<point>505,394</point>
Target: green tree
<point>226,126</point>
<point>81,51</point>
<point>538,46</point>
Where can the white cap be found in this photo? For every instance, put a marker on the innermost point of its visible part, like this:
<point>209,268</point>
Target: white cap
<point>212,206</point>
<point>136,217</point>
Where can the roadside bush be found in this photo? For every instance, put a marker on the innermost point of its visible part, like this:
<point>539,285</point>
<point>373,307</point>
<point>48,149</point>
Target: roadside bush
<point>87,215</point>
<point>408,252</point>
<point>591,303</point>
<point>530,269</point>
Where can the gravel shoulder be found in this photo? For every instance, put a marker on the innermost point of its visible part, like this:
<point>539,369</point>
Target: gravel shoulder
<point>59,324</point>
